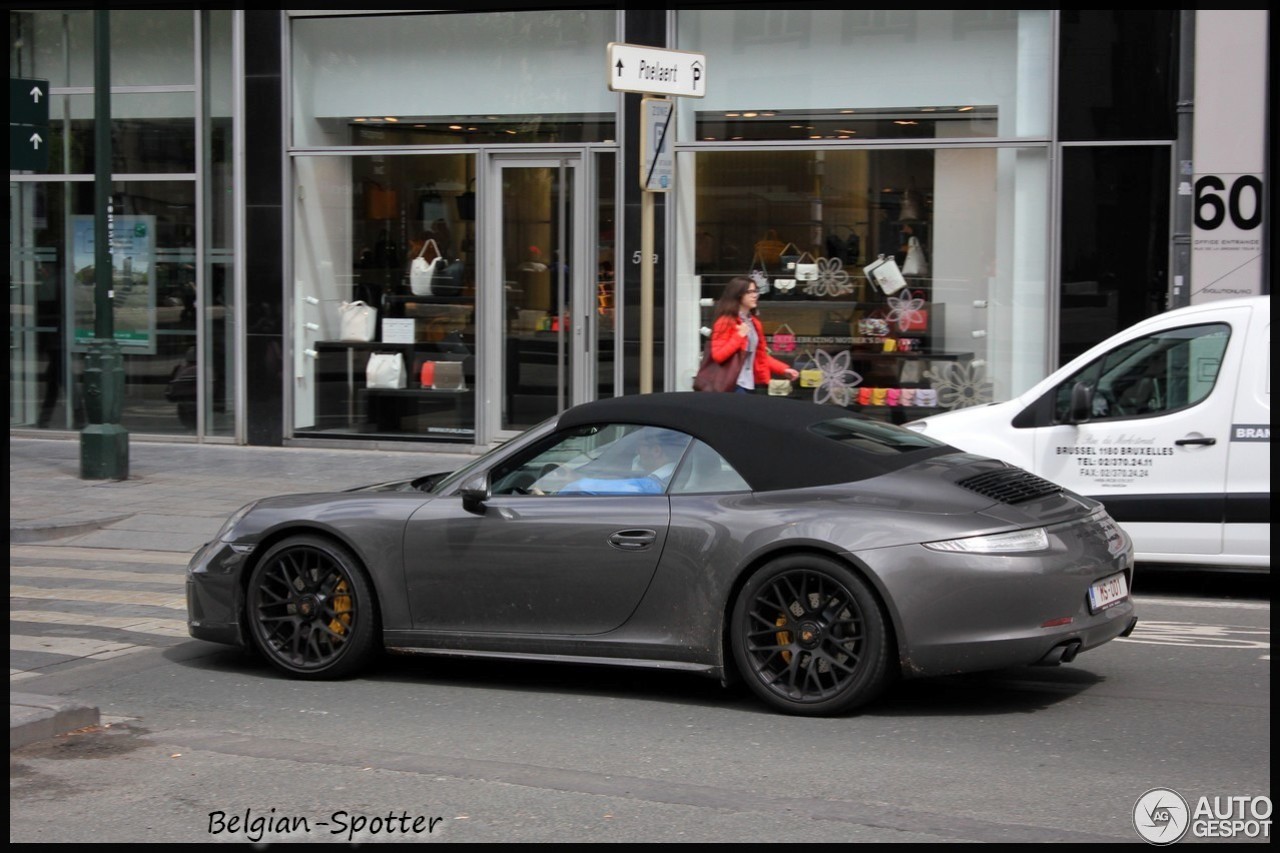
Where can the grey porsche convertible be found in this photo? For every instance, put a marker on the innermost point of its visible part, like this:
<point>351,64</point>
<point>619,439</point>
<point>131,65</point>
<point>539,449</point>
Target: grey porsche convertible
<point>810,552</point>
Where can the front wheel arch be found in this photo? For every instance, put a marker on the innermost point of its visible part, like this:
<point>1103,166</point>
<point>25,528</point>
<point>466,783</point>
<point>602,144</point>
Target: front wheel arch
<point>309,608</point>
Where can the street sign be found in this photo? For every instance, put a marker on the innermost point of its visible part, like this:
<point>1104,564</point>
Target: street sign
<point>28,124</point>
<point>657,132</point>
<point>656,71</point>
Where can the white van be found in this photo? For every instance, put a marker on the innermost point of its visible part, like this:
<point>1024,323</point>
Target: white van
<point>1168,423</point>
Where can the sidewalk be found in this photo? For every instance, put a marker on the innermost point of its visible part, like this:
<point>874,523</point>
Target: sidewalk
<point>175,499</point>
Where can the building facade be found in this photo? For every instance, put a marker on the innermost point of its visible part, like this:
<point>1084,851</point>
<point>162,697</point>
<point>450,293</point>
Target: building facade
<point>426,228</point>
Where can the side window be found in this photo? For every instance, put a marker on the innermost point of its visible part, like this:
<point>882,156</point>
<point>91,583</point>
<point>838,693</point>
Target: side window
<point>1154,375</point>
<point>605,459</point>
<point>705,471</point>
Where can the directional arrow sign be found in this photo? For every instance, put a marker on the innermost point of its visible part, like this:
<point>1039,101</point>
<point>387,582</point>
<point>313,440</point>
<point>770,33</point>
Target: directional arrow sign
<point>28,124</point>
<point>656,71</point>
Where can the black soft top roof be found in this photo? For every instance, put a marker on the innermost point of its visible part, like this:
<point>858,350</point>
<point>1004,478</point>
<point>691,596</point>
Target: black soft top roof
<point>766,439</point>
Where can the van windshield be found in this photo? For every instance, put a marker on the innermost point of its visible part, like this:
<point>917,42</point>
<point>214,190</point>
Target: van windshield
<point>1152,375</point>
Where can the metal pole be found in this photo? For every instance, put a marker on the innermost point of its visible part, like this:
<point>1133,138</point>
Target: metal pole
<point>646,291</point>
<point>1179,287</point>
<point>104,444</point>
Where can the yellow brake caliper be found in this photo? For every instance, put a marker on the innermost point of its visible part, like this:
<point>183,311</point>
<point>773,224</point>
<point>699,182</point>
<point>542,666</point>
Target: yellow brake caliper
<point>784,637</point>
<point>341,609</point>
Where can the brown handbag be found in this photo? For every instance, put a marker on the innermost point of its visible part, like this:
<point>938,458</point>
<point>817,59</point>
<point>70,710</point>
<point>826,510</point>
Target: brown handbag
<point>716,376</point>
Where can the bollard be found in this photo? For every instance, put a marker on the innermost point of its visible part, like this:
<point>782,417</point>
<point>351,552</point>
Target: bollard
<point>104,443</point>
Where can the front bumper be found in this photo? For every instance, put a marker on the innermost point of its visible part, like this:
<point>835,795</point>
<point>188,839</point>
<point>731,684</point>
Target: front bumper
<point>215,594</point>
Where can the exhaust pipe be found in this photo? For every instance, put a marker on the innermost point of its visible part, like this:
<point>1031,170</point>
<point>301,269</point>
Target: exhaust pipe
<point>1062,653</point>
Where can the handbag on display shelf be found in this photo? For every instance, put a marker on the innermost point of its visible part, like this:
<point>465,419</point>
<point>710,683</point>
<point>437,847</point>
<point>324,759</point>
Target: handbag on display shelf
<point>779,387</point>
<point>915,264</point>
<point>789,258</point>
<point>836,325</point>
<point>783,340</point>
<point>806,270</point>
<point>449,280</point>
<point>448,376</point>
<point>716,376</point>
<point>422,271</point>
<point>884,274</point>
<point>385,370</point>
<point>847,249</point>
<point>759,273</point>
<point>427,375</point>
<point>466,202</point>
<point>357,321</point>
<point>770,248</point>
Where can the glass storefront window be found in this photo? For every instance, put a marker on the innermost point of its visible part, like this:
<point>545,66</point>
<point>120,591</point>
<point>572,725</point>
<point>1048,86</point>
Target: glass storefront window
<point>854,74</point>
<point>150,133</point>
<point>497,77</point>
<point>964,227</point>
<point>52,316</point>
<point>361,224</point>
<point>149,47</point>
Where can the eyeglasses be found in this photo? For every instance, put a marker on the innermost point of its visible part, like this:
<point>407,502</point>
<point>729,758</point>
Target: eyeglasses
<point>751,290</point>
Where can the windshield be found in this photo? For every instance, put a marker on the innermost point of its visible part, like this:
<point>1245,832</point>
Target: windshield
<point>532,434</point>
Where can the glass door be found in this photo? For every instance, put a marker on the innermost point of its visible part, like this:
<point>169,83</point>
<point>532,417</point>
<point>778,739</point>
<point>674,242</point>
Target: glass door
<point>548,311</point>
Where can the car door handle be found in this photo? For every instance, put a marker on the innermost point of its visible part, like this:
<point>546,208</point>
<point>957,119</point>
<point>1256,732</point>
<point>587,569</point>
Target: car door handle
<point>1207,442</point>
<point>633,540</point>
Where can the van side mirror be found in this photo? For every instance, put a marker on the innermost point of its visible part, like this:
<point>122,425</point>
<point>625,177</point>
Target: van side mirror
<point>475,490</point>
<point>1081,409</point>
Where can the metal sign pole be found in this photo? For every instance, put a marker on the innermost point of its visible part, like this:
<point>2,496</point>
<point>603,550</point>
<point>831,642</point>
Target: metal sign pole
<point>104,443</point>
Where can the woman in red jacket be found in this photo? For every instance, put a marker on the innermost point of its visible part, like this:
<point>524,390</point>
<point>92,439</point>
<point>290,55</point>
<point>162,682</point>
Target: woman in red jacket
<point>738,328</point>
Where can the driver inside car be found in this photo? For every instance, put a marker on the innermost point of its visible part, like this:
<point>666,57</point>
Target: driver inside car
<point>655,463</point>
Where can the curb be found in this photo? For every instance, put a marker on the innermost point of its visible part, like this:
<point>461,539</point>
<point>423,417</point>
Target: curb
<point>24,533</point>
<point>35,718</point>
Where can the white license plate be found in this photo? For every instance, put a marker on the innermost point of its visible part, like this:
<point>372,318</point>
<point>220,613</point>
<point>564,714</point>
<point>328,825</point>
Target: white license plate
<point>1108,591</point>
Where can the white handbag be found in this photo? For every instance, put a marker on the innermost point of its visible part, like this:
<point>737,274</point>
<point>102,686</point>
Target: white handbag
<point>422,271</point>
<point>357,321</point>
<point>385,370</point>
<point>806,271</point>
<point>884,273</point>
<point>915,264</point>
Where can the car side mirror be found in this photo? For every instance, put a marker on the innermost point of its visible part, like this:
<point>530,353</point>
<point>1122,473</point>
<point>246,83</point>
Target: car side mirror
<point>475,490</point>
<point>1081,409</point>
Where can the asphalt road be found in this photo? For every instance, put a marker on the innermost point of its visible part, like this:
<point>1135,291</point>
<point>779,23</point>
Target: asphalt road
<point>201,743</point>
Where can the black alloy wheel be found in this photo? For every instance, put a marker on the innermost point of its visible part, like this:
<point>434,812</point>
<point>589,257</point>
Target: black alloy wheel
<point>311,610</point>
<point>809,638</point>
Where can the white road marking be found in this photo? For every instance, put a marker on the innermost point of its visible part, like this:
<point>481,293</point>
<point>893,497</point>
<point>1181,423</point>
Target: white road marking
<point>101,596</point>
<point>136,624</point>
<point>67,573</point>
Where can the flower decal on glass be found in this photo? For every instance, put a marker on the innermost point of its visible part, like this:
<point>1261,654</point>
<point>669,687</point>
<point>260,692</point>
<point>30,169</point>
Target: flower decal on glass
<point>838,379</point>
<point>832,279</point>
<point>907,311</point>
<point>960,385</point>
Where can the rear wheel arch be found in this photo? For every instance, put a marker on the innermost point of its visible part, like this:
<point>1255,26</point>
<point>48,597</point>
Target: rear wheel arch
<point>894,635</point>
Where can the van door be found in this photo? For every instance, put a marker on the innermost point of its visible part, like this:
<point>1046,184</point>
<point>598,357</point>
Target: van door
<point>1247,536</point>
<point>1153,439</point>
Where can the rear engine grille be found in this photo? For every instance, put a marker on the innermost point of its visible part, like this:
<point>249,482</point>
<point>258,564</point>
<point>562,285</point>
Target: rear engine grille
<point>1010,485</point>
